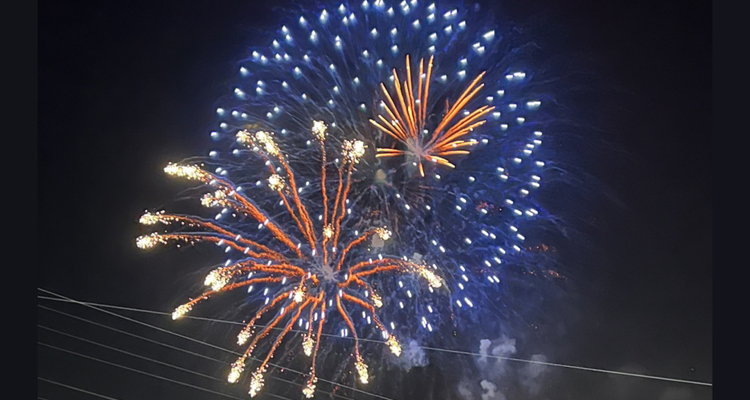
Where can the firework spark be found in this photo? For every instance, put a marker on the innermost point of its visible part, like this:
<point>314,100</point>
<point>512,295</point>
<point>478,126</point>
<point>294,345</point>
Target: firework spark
<point>406,120</point>
<point>307,277</point>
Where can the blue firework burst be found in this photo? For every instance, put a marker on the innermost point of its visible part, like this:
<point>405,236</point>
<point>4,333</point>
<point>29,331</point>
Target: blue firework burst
<point>451,159</point>
<point>329,65</point>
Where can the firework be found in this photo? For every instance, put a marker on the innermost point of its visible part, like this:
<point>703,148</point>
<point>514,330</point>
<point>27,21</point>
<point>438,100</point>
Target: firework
<point>444,152</point>
<point>311,271</point>
<point>446,97</point>
<point>445,140</point>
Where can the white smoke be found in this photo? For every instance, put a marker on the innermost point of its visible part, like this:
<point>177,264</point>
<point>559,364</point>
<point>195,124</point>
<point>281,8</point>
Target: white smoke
<point>411,356</point>
<point>501,379</point>
<point>464,390</point>
<point>490,391</point>
<point>531,374</point>
<point>493,371</point>
<point>492,367</point>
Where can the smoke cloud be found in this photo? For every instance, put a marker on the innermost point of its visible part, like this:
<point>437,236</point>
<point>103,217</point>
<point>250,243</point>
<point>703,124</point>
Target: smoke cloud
<point>499,379</point>
<point>411,356</point>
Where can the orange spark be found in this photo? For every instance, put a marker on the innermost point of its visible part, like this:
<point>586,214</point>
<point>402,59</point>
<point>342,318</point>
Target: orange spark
<point>407,120</point>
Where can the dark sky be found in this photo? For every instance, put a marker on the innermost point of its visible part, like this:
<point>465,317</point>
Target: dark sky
<point>125,87</point>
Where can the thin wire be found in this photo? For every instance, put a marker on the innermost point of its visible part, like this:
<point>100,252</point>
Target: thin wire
<point>217,347</point>
<point>163,344</point>
<point>74,388</point>
<point>132,309</point>
<point>142,357</point>
<point>662,378</point>
<point>129,353</point>
<point>133,335</point>
<point>208,344</point>
<point>141,372</point>
<point>571,366</point>
<point>196,318</point>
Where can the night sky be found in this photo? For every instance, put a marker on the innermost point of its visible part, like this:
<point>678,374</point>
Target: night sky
<point>125,87</point>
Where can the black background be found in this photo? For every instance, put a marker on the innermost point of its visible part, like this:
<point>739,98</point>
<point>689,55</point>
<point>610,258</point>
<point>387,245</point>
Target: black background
<point>125,87</point>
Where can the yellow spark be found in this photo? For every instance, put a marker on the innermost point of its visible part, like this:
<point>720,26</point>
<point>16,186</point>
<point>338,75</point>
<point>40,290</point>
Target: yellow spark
<point>319,130</point>
<point>244,137</point>
<point>309,389</point>
<point>328,231</point>
<point>377,301</point>
<point>243,336</point>
<point>192,172</point>
<point>181,310</point>
<point>433,280</point>
<point>394,345</point>
<point>256,383</point>
<point>211,277</point>
<point>307,345</point>
<point>218,278</point>
<point>276,182</point>
<point>299,295</point>
<point>152,218</point>
<point>237,368</point>
<point>384,233</point>
<point>266,140</point>
<point>148,241</point>
<point>353,150</point>
<point>216,199</point>
<point>362,370</point>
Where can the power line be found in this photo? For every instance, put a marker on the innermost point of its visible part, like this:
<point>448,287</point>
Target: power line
<point>140,372</point>
<point>223,321</point>
<point>209,344</point>
<point>88,303</point>
<point>134,335</point>
<point>129,353</point>
<point>549,364</point>
<point>73,388</point>
<point>162,344</point>
<point>468,353</point>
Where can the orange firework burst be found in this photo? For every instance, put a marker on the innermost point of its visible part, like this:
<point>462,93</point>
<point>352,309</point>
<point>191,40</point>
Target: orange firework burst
<point>406,119</point>
<point>304,279</point>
